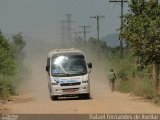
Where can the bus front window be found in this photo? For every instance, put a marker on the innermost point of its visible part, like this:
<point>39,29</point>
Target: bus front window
<point>68,65</point>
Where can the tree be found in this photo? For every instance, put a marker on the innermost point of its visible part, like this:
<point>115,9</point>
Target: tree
<point>142,32</point>
<point>19,42</point>
<point>7,62</point>
<point>4,42</point>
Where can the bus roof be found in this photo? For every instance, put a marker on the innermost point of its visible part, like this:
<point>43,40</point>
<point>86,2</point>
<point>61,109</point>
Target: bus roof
<point>71,51</point>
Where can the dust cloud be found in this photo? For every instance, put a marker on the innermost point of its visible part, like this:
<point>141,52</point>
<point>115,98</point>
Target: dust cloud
<point>102,100</point>
<point>35,82</point>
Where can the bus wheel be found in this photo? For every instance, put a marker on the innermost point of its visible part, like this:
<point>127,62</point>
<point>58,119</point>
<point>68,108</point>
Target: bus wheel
<point>85,96</point>
<point>54,98</point>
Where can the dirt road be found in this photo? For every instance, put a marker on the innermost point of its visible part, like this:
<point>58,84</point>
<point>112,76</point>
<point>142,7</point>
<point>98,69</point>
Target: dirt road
<point>34,97</point>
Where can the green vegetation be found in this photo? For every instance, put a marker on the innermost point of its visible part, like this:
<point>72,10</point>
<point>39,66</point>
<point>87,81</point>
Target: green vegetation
<point>141,31</point>
<point>7,87</point>
<point>132,76</point>
<point>18,43</point>
<point>10,61</point>
<point>138,71</point>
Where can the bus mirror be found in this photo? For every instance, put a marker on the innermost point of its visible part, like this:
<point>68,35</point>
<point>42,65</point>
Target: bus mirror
<point>47,68</point>
<point>90,65</point>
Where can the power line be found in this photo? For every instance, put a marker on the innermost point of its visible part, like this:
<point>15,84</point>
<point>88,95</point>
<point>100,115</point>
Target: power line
<point>68,29</point>
<point>110,12</point>
<point>108,16</point>
<point>98,46</point>
<point>122,24</point>
<point>63,32</point>
<point>97,18</point>
<point>84,32</point>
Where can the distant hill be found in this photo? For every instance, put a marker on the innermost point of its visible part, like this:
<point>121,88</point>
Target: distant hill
<point>112,40</point>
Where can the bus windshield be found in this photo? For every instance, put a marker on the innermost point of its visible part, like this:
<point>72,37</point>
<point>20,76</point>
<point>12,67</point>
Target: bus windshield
<point>68,66</point>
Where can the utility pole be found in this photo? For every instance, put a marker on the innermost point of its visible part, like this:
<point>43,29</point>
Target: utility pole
<point>63,32</point>
<point>121,28</point>
<point>84,33</point>
<point>68,29</point>
<point>97,18</point>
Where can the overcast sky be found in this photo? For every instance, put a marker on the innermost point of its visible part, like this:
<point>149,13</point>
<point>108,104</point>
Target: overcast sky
<point>41,18</point>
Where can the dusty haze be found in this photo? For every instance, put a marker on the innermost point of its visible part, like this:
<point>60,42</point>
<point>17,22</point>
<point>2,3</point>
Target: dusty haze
<point>35,60</point>
<point>34,95</point>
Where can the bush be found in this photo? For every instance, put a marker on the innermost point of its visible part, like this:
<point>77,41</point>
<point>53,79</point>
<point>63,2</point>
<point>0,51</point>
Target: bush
<point>143,87</point>
<point>124,86</point>
<point>7,87</point>
<point>11,56</point>
<point>157,100</point>
<point>132,77</point>
<point>7,63</point>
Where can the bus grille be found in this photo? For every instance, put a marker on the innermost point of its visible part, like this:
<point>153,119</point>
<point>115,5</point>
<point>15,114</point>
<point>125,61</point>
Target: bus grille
<point>70,84</point>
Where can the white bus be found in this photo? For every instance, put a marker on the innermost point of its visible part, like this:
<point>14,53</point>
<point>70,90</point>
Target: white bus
<point>68,74</point>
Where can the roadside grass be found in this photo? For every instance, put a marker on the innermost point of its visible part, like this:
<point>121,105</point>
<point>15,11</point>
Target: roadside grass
<point>11,61</point>
<point>132,78</point>
<point>7,87</point>
<point>10,84</point>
